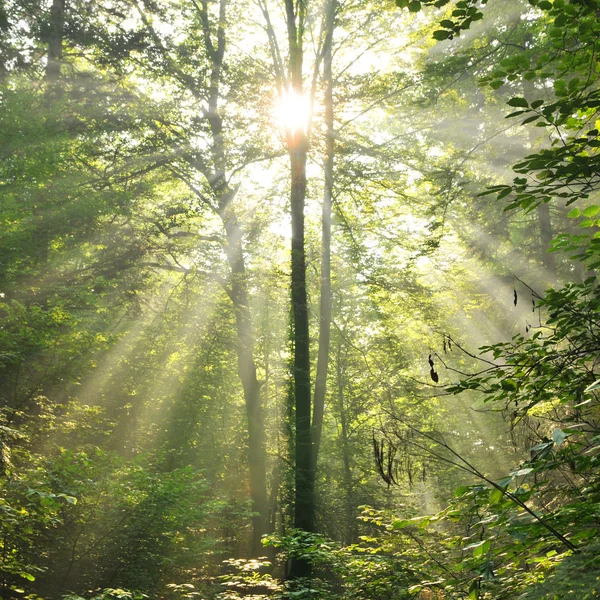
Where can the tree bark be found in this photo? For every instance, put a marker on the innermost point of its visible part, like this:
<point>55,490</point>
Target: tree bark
<point>304,509</point>
<point>546,234</point>
<point>325,300</point>
<point>52,74</point>
<point>298,147</point>
<point>250,383</point>
<point>351,530</point>
<point>55,40</point>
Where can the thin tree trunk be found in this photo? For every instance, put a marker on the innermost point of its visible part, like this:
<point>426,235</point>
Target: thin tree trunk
<point>52,74</point>
<point>55,41</point>
<point>351,528</point>
<point>546,234</point>
<point>250,384</point>
<point>325,301</point>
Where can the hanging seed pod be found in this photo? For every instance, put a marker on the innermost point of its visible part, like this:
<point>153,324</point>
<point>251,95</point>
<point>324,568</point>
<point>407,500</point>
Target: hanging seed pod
<point>516,298</point>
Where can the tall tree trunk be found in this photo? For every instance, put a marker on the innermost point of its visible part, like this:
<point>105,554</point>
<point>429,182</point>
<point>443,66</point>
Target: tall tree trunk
<point>250,384</point>
<point>325,301</point>
<point>225,194</point>
<point>298,147</point>
<point>304,509</point>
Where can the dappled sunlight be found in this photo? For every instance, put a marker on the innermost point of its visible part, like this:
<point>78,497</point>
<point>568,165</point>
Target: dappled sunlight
<point>251,255</point>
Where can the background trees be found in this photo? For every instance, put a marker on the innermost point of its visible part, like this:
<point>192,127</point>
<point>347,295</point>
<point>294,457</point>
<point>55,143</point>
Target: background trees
<point>154,418</point>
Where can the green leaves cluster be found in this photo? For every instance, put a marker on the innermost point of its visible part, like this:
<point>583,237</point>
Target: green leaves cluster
<point>465,13</point>
<point>363,570</point>
<point>561,54</point>
<point>543,380</point>
<point>512,537</point>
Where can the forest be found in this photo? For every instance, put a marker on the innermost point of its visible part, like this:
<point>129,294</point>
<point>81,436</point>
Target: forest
<point>299,299</point>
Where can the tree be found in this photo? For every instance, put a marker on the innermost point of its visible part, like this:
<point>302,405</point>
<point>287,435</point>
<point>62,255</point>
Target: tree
<point>207,174</point>
<point>325,305</point>
<point>542,375</point>
<point>297,142</point>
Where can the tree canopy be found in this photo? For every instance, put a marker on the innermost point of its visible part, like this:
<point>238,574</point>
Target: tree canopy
<point>299,299</point>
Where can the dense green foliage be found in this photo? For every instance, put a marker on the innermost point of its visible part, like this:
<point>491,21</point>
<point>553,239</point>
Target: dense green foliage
<point>147,390</point>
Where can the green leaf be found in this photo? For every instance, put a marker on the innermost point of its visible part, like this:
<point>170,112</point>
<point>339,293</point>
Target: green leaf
<point>401,524</point>
<point>488,570</point>
<point>591,211</point>
<point>560,85</point>
<point>515,114</point>
<point>518,102</point>
<point>559,436</point>
<point>69,499</point>
<point>496,496</point>
<point>593,387</point>
<point>560,20</point>
<point>482,549</point>
<point>509,385</point>
<point>441,34</point>
<point>414,7</point>
<point>474,590</point>
<point>475,545</point>
<point>573,214</point>
<point>522,472</point>
<point>461,490</point>
<point>504,482</point>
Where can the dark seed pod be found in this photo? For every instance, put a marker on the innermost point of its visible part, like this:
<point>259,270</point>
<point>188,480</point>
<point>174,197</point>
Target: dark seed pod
<point>434,375</point>
<point>430,360</point>
<point>515,297</point>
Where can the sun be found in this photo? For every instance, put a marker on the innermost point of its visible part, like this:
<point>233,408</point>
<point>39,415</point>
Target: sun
<point>293,112</point>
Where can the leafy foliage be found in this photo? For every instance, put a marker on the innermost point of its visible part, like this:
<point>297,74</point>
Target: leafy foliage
<point>123,430</point>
